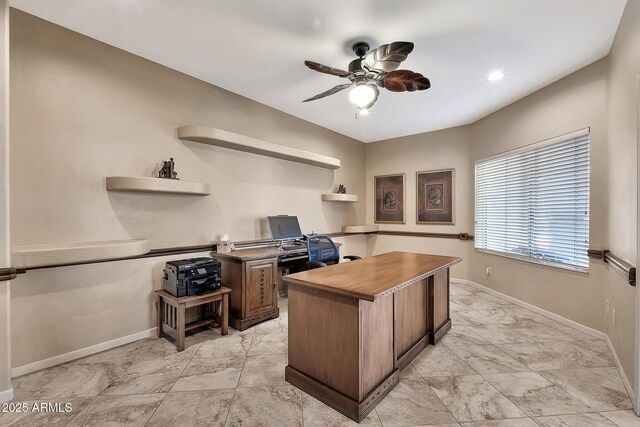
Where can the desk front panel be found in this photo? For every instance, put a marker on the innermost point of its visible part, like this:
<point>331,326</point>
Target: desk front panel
<point>344,343</point>
<point>323,338</point>
<point>376,343</point>
<point>411,316</point>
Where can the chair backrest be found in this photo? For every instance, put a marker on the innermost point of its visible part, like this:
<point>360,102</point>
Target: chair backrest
<point>322,248</point>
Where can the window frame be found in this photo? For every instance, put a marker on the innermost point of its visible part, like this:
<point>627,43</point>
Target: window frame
<point>528,147</point>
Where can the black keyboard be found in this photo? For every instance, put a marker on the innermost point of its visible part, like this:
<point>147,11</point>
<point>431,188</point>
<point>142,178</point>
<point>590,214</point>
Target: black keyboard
<point>294,258</point>
<point>294,247</point>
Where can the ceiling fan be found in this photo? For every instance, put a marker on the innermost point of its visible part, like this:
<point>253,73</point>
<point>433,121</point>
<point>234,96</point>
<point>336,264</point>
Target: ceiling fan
<point>377,68</point>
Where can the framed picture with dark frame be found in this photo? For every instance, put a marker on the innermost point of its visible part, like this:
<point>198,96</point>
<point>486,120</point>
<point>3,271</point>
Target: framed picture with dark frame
<point>389,199</point>
<point>435,197</point>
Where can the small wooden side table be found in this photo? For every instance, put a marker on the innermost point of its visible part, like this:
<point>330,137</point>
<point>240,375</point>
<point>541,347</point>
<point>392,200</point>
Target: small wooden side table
<point>171,313</point>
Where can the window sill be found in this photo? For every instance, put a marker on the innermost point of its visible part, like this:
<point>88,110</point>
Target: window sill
<point>584,270</point>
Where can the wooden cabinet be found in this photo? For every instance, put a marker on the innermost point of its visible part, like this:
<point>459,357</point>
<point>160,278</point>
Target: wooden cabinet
<point>260,291</point>
<point>254,296</point>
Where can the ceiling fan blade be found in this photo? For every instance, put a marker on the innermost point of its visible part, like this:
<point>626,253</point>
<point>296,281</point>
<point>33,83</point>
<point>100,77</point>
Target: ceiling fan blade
<point>405,81</point>
<point>326,69</point>
<point>387,57</point>
<point>331,91</point>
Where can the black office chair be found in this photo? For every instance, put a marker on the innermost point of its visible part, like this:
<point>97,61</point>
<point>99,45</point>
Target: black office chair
<point>322,252</point>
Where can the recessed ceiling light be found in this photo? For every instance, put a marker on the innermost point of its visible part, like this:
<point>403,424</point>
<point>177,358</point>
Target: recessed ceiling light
<point>495,76</point>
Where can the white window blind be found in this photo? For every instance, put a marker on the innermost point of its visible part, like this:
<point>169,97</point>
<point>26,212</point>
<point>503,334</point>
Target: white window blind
<point>533,203</point>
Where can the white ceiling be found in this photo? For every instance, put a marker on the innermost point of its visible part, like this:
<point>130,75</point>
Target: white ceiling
<point>256,48</point>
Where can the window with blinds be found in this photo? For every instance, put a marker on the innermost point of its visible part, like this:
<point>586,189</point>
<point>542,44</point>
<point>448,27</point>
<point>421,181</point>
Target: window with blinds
<point>533,203</point>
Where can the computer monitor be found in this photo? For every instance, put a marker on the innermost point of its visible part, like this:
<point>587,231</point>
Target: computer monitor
<point>284,227</point>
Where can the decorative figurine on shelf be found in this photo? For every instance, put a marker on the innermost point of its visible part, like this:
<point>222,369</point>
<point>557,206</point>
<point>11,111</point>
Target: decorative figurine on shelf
<point>342,189</point>
<point>168,170</point>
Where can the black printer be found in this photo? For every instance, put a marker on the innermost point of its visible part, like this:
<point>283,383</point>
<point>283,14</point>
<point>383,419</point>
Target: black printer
<point>193,276</point>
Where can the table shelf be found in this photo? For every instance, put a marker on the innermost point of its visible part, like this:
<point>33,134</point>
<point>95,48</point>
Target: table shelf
<point>172,313</point>
<point>360,228</point>
<point>337,197</point>
<point>156,185</point>
<point>248,144</point>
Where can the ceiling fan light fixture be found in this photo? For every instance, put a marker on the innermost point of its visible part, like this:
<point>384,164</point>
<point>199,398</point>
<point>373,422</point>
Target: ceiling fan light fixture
<point>362,95</point>
<point>373,69</point>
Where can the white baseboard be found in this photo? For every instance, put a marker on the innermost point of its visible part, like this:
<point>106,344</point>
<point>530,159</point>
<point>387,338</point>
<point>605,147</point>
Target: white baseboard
<point>76,354</point>
<point>625,380</point>
<point>6,395</point>
<point>541,311</point>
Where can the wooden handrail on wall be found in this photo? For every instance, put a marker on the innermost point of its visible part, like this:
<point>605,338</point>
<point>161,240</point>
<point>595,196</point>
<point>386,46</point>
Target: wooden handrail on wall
<point>459,236</point>
<point>628,270</point>
<point>10,273</point>
<point>7,274</point>
<point>151,254</point>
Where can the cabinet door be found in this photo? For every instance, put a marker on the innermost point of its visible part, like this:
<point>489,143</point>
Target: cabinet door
<point>260,292</point>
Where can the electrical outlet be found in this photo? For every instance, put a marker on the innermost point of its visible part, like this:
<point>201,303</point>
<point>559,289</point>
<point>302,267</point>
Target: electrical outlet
<point>488,271</point>
<point>607,307</point>
<point>613,316</point>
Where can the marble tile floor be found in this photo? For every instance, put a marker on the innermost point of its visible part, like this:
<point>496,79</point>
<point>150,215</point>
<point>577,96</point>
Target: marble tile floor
<point>500,366</point>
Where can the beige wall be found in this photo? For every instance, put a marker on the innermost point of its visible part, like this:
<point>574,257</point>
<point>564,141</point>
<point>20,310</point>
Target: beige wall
<point>574,102</point>
<point>445,149</point>
<point>622,192</point>
<point>603,97</point>
<point>5,256</point>
<point>60,310</point>
<point>82,111</point>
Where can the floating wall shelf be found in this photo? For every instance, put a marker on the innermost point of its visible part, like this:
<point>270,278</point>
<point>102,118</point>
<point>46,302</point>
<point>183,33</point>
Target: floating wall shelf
<point>68,253</point>
<point>234,141</point>
<point>360,228</point>
<point>336,197</point>
<point>156,185</point>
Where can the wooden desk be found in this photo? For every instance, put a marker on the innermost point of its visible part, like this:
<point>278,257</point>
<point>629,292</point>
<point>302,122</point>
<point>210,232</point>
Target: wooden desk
<point>253,275</point>
<point>353,326</point>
